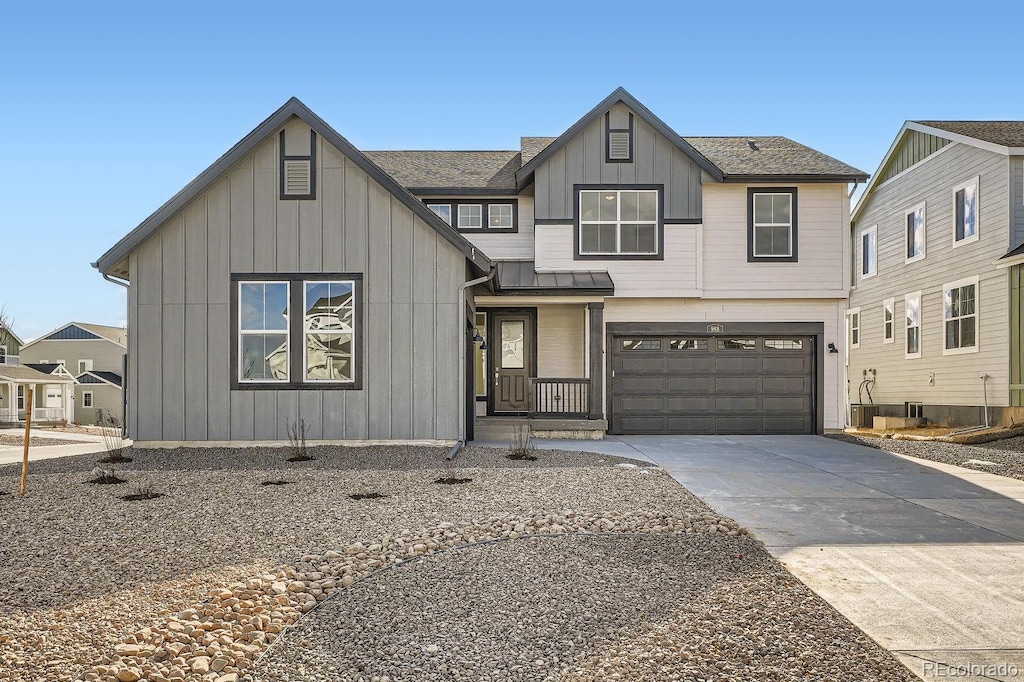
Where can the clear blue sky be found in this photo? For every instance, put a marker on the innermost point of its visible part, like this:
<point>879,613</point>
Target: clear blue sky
<point>110,108</point>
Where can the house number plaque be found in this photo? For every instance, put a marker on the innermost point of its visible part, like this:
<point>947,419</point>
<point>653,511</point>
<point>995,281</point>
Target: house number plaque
<point>716,328</point>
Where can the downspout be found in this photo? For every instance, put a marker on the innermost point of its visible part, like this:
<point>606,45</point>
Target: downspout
<point>461,442</point>
<point>124,368</point>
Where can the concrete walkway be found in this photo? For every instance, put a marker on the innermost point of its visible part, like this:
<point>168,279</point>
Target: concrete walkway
<point>927,558</point>
<point>13,454</point>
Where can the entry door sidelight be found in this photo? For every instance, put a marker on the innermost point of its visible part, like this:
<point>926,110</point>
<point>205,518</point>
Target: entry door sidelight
<point>513,345</point>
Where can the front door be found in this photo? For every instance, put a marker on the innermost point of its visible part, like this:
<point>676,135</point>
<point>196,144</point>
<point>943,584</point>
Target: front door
<point>53,396</point>
<point>513,344</point>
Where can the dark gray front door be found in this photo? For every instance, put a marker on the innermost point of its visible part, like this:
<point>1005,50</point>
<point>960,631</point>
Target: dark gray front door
<point>512,335</point>
<point>744,384</point>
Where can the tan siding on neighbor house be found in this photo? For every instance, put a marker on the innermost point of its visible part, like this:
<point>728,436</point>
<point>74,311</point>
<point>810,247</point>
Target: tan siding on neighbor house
<point>956,377</point>
<point>561,341</point>
<point>179,307</point>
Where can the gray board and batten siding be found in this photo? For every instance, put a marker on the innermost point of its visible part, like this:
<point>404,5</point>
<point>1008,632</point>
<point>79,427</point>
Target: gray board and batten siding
<point>179,305</point>
<point>582,160</point>
<point>956,376</point>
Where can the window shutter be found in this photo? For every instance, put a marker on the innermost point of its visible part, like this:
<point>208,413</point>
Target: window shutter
<point>618,145</point>
<point>297,180</point>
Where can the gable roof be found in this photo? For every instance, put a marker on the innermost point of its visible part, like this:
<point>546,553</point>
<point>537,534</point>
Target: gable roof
<point>743,158</point>
<point>530,147</point>
<point>525,174</point>
<point>84,331</point>
<point>44,367</point>
<point>292,107</point>
<point>99,377</point>
<point>5,331</point>
<point>424,172</point>
<point>23,374</point>
<point>1001,137</point>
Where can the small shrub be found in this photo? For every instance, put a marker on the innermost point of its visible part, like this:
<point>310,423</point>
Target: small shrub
<point>297,441</point>
<point>521,446</point>
<point>368,496</point>
<point>113,441</point>
<point>143,492</point>
<point>277,482</point>
<point>452,480</point>
<point>105,477</point>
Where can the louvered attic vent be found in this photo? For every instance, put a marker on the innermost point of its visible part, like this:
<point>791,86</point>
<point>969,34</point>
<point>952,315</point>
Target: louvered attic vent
<point>297,179</point>
<point>618,141</point>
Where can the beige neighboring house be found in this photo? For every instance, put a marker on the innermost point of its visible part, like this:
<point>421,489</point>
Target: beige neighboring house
<point>52,394</point>
<point>93,355</point>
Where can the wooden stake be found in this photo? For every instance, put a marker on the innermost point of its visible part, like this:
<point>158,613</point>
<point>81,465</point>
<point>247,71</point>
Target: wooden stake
<point>28,434</point>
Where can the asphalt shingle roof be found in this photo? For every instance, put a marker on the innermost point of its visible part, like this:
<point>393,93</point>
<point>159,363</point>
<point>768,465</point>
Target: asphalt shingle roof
<point>773,156</point>
<point>20,374</point>
<point>532,146</point>
<point>450,169</point>
<point>1005,133</point>
<point>115,334</point>
<point>108,376</point>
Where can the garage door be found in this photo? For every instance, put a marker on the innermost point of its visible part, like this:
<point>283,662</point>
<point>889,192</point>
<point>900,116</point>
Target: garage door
<point>712,385</point>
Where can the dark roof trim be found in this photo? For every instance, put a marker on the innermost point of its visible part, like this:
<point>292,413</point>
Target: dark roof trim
<point>461,191</point>
<point>1016,251</point>
<point>525,174</point>
<point>103,378</point>
<point>292,107</point>
<point>852,177</point>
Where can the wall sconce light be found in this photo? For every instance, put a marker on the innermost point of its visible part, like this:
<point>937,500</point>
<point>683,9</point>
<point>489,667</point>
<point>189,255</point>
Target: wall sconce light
<point>479,339</point>
<point>832,348</point>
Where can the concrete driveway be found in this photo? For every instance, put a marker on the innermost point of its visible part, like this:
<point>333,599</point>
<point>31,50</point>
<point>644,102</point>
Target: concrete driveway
<point>928,559</point>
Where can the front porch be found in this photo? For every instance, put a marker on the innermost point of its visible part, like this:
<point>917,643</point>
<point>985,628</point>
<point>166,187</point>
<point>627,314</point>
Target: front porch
<point>52,399</point>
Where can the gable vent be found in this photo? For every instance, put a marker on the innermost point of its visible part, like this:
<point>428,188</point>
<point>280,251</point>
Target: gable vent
<point>618,145</point>
<point>297,177</point>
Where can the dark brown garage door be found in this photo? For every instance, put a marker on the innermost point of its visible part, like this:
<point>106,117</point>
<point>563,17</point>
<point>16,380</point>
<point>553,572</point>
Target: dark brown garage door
<point>712,385</point>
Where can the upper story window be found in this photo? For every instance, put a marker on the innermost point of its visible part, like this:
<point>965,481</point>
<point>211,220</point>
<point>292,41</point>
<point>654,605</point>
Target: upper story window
<point>318,348</point>
<point>854,316</point>
<point>915,233</point>
<point>477,216</point>
<point>869,252</point>
<point>772,224</point>
<point>913,325</point>
<point>618,141</point>
<point>960,313</point>
<point>618,222</point>
<point>965,213</point>
<point>888,320</point>
<point>84,366</point>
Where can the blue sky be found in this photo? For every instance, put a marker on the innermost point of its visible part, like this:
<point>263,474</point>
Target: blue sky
<point>110,108</point>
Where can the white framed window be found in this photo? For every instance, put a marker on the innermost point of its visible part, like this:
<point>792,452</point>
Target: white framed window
<point>889,320</point>
<point>328,330</point>
<point>853,318</point>
<point>771,224</point>
<point>960,315</point>
<point>869,252</point>
<point>3,353</point>
<point>84,366</point>
<point>86,398</point>
<point>263,317</point>
<point>471,216</point>
<point>912,326</point>
<point>915,223</point>
<point>499,216</point>
<point>21,398</point>
<point>965,212</point>
<point>443,211</point>
<point>618,222</point>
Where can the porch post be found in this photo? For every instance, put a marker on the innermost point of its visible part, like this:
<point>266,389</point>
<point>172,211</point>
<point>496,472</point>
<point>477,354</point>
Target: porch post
<point>595,319</point>
<point>12,404</point>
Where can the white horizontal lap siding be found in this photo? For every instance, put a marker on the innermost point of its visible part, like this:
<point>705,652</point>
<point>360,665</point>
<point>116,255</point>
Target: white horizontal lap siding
<point>517,245</point>
<point>956,377</point>
<point>724,311</point>
<point>822,224</point>
<point>561,341</point>
<point>676,275</point>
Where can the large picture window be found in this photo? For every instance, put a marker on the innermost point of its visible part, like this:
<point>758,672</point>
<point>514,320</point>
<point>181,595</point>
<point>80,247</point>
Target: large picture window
<point>297,331</point>
<point>619,222</point>
<point>960,313</point>
<point>772,224</point>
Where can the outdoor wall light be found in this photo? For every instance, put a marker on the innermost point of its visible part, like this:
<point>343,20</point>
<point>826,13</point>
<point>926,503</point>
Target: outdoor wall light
<point>832,348</point>
<point>479,339</point>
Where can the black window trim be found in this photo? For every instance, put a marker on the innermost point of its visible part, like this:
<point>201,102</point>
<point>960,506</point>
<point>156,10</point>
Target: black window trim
<point>795,242</point>
<point>484,203</point>
<point>576,189</point>
<point>311,157</point>
<point>296,358</point>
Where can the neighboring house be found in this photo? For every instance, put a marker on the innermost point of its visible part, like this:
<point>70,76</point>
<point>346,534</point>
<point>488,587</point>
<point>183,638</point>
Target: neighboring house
<point>94,355</point>
<point>935,319</point>
<point>619,277</point>
<point>52,393</point>
<point>10,345</point>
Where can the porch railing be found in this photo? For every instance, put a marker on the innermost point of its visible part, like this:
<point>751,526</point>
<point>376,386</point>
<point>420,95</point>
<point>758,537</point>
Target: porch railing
<point>559,397</point>
<point>9,360</point>
<point>10,416</point>
<point>47,414</point>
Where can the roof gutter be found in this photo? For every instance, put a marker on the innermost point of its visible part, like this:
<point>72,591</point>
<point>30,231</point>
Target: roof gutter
<point>461,442</point>
<point>115,280</point>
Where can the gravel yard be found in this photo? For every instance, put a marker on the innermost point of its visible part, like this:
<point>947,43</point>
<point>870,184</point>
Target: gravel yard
<point>201,580</point>
<point>1002,457</point>
<point>7,439</point>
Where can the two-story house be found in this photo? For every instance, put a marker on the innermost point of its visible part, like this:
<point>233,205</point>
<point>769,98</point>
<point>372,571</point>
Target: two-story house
<point>935,319</point>
<point>91,353</point>
<point>619,274</point>
<point>10,346</point>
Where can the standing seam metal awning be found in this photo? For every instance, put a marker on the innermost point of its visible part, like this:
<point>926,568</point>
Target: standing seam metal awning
<point>521,277</point>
